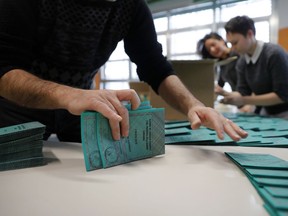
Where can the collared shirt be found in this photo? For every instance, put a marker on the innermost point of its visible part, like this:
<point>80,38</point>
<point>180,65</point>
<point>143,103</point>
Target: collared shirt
<point>268,74</point>
<point>256,54</point>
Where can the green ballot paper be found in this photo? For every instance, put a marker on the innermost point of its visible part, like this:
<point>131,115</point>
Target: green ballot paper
<point>146,138</point>
<point>268,174</point>
<point>19,131</point>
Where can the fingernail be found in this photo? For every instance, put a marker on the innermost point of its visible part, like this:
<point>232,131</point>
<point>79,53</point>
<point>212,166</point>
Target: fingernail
<point>119,118</point>
<point>117,137</point>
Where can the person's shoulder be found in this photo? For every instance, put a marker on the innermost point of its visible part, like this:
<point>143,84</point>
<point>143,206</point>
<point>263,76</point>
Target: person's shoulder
<point>274,53</point>
<point>272,49</point>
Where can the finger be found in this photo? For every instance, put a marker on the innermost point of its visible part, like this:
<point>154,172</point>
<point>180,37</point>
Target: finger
<point>214,120</point>
<point>194,120</point>
<point>237,129</point>
<point>129,95</point>
<point>218,126</point>
<point>110,113</point>
<point>221,100</point>
<point>234,131</point>
<point>224,101</point>
<point>230,131</point>
<point>225,93</point>
<point>123,112</point>
<point>219,93</point>
<point>115,128</point>
<point>107,110</point>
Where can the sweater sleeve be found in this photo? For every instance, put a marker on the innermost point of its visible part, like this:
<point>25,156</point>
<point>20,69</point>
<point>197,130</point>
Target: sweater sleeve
<point>221,81</point>
<point>17,34</point>
<point>143,49</point>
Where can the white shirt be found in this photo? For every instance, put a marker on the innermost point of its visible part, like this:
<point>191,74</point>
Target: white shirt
<point>256,54</point>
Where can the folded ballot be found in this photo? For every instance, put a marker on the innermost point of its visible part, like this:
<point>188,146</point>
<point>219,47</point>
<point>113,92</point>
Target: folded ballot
<point>146,138</point>
<point>21,146</point>
<point>269,175</point>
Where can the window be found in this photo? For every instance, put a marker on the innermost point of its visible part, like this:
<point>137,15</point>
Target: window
<point>179,30</point>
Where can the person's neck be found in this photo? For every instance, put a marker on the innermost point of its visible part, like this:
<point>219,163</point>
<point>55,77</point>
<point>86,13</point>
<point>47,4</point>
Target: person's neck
<point>252,48</point>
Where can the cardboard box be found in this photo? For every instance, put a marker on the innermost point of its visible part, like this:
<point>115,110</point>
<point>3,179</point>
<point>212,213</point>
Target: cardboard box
<point>197,76</point>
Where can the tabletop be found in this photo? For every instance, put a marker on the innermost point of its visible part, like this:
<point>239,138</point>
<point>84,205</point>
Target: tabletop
<point>187,180</point>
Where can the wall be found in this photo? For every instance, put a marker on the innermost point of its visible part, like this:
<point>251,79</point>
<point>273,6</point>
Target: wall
<point>282,8</point>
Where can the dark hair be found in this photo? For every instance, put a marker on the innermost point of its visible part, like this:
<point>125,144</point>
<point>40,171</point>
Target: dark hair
<point>241,25</point>
<point>201,49</point>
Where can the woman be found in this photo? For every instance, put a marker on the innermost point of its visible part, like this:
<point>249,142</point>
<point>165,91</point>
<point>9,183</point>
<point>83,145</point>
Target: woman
<point>213,46</point>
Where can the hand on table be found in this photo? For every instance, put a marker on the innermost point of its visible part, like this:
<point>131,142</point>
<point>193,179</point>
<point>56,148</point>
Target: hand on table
<point>208,117</point>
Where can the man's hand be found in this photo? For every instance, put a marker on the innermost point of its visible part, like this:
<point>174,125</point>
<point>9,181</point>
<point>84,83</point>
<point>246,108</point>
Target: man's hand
<point>108,103</point>
<point>179,97</point>
<point>30,91</point>
<point>208,117</point>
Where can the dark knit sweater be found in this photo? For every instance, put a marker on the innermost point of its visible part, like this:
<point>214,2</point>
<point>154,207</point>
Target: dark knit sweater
<point>228,73</point>
<point>268,74</point>
<point>67,41</point>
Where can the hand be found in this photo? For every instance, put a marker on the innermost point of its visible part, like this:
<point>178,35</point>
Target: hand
<point>247,109</point>
<point>208,117</point>
<point>106,102</point>
<point>234,98</point>
<point>219,90</point>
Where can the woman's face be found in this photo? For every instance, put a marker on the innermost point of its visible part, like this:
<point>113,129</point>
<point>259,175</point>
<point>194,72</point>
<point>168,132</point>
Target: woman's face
<point>216,48</point>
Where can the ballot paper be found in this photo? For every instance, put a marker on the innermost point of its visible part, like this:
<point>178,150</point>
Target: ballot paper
<point>170,125</point>
<point>20,131</point>
<point>269,175</point>
<point>146,138</point>
<point>21,146</point>
<point>258,160</point>
<point>262,131</point>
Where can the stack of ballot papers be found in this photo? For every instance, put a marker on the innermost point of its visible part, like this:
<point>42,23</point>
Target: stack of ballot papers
<point>21,146</point>
<point>262,132</point>
<point>269,176</point>
<point>146,137</point>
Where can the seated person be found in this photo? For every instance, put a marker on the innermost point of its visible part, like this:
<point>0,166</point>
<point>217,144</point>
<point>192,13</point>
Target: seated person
<point>213,46</point>
<point>262,70</point>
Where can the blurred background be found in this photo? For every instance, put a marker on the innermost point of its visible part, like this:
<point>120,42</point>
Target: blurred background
<point>181,23</point>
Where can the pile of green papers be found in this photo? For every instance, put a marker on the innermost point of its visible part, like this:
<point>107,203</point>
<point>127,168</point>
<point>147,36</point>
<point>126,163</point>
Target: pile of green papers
<point>146,137</point>
<point>21,146</point>
<point>269,175</point>
<point>263,132</point>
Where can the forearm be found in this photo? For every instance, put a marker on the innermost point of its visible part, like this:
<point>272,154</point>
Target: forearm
<point>173,91</point>
<point>268,99</point>
<point>28,90</point>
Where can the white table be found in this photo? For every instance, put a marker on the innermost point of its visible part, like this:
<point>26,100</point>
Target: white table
<point>187,180</point>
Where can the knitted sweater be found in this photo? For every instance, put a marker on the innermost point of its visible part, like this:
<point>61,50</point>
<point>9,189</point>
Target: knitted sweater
<point>67,41</point>
<point>268,74</point>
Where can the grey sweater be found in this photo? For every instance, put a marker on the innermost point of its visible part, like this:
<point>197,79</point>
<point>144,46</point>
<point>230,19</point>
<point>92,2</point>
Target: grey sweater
<point>268,74</point>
